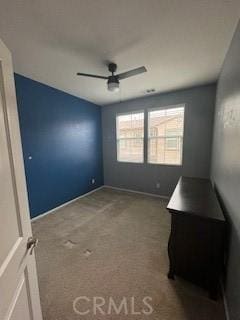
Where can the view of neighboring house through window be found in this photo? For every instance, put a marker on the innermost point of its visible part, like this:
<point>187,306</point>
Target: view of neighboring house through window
<point>165,135</point>
<point>130,136</point>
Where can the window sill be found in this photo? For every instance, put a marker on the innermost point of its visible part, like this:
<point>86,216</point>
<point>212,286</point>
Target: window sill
<point>152,163</point>
<point>131,162</point>
<point>165,164</point>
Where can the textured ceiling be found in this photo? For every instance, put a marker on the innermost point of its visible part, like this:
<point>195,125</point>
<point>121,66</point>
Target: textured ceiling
<point>181,43</point>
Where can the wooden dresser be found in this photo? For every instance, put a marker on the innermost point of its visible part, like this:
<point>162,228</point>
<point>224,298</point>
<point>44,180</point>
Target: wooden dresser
<point>196,242</point>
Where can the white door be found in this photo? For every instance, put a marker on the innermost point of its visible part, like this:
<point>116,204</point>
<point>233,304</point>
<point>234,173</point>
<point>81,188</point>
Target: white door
<point>19,295</point>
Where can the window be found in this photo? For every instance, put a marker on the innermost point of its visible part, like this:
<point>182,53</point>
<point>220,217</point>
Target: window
<point>130,136</point>
<point>172,144</point>
<point>153,132</point>
<point>165,135</point>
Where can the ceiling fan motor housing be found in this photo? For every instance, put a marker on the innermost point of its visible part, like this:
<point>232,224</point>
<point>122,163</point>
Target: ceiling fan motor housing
<point>113,83</point>
<point>113,79</point>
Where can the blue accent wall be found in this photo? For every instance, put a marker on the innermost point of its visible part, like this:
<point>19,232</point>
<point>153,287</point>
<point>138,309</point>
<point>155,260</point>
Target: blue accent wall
<point>62,144</point>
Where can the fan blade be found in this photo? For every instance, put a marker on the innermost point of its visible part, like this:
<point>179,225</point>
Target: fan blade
<point>131,73</point>
<point>91,75</point>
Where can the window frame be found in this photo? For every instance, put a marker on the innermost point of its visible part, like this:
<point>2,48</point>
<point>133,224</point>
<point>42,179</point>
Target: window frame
<point>143,138</point>
<point>182,105</point>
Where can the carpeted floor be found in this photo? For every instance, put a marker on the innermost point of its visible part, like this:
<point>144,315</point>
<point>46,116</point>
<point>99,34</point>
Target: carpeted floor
<point>112,245</point>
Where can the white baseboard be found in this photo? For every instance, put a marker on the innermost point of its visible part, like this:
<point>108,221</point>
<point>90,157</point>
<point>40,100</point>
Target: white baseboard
<point>140,192</point>
<point>64,204</point>
<point>225,302</point>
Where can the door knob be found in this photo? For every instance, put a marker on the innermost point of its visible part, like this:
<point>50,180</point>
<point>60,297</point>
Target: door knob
<point>31,244</point>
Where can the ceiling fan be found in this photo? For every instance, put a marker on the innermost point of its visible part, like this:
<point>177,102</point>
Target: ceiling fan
<point>113,80</point>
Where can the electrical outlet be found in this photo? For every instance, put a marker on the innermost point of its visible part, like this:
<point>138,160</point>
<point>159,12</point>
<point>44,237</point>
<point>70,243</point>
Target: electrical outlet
<point>158,185</point>
<point>93,181</point>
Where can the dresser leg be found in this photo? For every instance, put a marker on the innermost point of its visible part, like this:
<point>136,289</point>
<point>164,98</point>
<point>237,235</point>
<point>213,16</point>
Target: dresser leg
<point>171,252</point>
<point>171,275</point>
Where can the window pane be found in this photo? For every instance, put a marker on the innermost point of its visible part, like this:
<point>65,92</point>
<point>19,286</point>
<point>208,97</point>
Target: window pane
<point>165,135</point>
<point>130,150</point>
<point>130,134</point>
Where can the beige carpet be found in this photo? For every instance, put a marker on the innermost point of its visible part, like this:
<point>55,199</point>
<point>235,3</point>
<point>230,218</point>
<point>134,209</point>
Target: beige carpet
<point>113,244</point>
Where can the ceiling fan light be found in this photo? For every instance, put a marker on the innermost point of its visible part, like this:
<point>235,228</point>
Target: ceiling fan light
<point>113,86</point>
